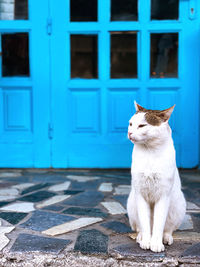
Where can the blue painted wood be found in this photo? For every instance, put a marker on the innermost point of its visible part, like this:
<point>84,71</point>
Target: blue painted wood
<point>24,102</point>
<point>90,117</point>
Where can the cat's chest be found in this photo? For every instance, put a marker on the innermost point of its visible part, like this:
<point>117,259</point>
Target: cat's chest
<point>150,185</point>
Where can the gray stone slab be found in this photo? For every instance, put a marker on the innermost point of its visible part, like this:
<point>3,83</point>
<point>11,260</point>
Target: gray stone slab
<point>133,250</point>
<point>53,208</point>
<point>86,199</point>
<point>92,242</point>
<point>122,199</point>
<point>29,243</point>
<point>91,185</point>
<point>34,188</point>
<point>117,227</point>
<point>91,212</point>
<point>42,220</point>
<point>37,196</point>
<point>13,217</point>
<point>196,221</point>
<point>192,251</point>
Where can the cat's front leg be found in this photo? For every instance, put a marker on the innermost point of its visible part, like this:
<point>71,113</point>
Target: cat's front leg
<point>159,219</point>
<point>144,217</point>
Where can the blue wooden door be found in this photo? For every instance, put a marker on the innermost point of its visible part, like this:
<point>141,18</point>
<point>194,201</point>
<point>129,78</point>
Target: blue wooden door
<point>105,54</point>
<point>24,84</point>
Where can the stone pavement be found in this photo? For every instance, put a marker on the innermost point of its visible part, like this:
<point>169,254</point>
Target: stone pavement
<point>78,217</point>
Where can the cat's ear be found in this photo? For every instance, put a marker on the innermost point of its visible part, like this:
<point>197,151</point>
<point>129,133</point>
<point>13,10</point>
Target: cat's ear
<point>138,107</point>
<point>165,114</point>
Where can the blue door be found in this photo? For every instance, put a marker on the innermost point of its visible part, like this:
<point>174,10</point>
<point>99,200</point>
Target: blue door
<point>71,69</point>
<point>24,84</point>
<point>105,54</point>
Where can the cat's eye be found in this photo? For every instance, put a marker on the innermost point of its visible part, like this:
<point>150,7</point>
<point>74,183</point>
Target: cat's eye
<point>142,125</point>
<point>130,123</point>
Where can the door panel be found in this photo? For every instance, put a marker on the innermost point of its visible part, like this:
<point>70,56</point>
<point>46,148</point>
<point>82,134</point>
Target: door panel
<point>24,84</point>
<point>143,53</point>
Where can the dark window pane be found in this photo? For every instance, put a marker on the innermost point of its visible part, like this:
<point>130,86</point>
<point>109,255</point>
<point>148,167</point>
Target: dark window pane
<point>83,10</point>
<point>13,9</point>
<point>124,10</point>
<point>84,56</point>
<point>15,54</point>
<point>164,9</point>
<point>164,55</point>
<point>123,55</point>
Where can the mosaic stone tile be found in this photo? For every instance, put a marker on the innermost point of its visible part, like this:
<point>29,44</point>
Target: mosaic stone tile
<point>22,186</point>
<point>53,200</point>
<point>9,192</point>
<point>4,203</point>
<point>122,199</point>
<point>132,249</point>
<point>106,187</point>
<point>60,187</point>
<point>53,208</point>
<point>47,178</point>
<point>114,207</point>
<point>19,207</point>
<point>187,223</point>
<point>34,188</point>
<point>82,178</point>
<point>6,229</point>
<point>186,236</point>
<point>4,184</point>
<point>192,206</point>
<point>86,199</point>
<point>122,190</point>
<point>72,192</point>
<point>92,185</point>
<point>37,197</point>
<point>7,198</point>
<point>28,243</point>
<point>192,251</point>
<point>91,241</point>
<point>42,220</point>
<point>4,242</point>
<point>9,174</point>
<point>196,221</point>
<point>70,226</point>
<point>93,212</point>
<point>117,227</point>
<point>20,179</point>
<point>13,217</point>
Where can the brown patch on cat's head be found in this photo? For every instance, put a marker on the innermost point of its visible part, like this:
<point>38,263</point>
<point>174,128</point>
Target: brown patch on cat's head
<point>155,117</point>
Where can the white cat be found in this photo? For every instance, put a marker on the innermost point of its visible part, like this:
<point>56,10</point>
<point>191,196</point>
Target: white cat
<point>156,205</point>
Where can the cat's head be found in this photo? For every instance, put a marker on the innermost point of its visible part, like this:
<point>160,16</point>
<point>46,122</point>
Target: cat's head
<point>148,125</point>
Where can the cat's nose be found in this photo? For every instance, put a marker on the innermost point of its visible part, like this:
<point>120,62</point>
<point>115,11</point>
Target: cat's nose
<point>129,134</point>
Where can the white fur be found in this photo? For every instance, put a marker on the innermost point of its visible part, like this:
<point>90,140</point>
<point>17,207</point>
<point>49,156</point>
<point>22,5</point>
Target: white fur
<point>156,205</point>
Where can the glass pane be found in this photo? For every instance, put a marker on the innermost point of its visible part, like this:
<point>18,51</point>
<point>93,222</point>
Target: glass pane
<point>123,55</point>
<point>13,9</point>
<point>83,10</point>
<point>124,10</point>
<point>84,56</point>
<point>15,54</point>
<point>164,55</point>
<point>167,9</point>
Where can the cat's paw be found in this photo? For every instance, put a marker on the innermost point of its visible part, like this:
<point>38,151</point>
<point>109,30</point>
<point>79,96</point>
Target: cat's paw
<point>167,239</point>
<point>145,242</point>
<point>139,237</point>
<point>156,246</point>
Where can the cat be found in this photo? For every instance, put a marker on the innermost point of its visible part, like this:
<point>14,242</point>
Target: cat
<point>156,205</point>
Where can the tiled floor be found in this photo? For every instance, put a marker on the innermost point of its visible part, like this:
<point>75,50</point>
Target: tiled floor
<point>84,210</point>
